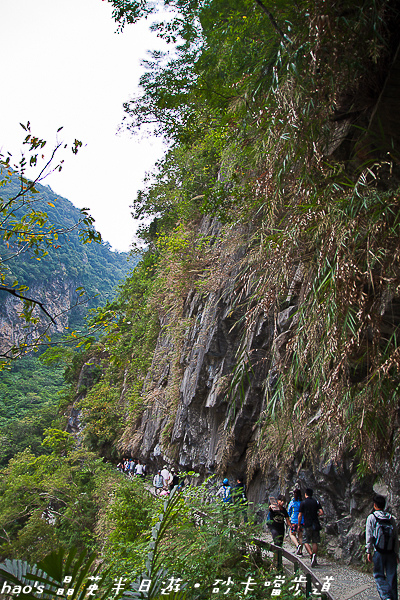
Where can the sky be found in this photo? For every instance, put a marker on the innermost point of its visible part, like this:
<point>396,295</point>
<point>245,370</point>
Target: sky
<point>64,65</point>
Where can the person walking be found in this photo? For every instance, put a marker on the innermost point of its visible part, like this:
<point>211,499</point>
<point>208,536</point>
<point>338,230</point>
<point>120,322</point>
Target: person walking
<point>173,479</point>
<point>382,547</point>
<point>225,491</point>
<point>239,496</point>
<point>165,475</point>
<point>138,469</point>
<point>276,520</point>
<point>158,482</point>
<point>296,530</point>
<point>311,510</point>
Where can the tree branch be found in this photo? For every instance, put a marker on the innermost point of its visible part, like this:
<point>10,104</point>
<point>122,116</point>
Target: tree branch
<point>40,304</point>
<point>272,19</point>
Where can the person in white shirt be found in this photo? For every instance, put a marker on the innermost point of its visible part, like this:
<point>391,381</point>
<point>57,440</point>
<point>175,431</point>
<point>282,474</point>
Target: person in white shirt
<point>165,475</point>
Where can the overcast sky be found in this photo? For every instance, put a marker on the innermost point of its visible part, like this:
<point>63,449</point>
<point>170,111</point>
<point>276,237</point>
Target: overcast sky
<point>64,65</point>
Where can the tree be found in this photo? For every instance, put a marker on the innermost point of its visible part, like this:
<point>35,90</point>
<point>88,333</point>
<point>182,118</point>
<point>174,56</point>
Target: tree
<point>52,500</point>
<point>25,229</point>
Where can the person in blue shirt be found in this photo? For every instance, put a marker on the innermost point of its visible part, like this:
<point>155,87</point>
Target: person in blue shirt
<point>296,530</point>
<point>225,491</point>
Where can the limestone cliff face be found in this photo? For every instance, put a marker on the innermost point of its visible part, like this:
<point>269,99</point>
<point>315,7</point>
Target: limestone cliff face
<point>226,341</point>
<point>58,296</point>
<point>208,390</point>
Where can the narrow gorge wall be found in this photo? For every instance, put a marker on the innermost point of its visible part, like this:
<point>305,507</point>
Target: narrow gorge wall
<point>58,296</point>
<point>209,392</point>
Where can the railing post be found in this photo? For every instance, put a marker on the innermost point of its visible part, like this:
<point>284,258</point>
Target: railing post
<point>279,560</point>
<point>298,565</point>
<point>308,585</point>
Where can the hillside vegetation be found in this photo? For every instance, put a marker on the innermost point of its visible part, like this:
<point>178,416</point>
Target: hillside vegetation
<point>69,277</point>
<point>92,265</point>
<point>281,124</point>
<point>277,204</point>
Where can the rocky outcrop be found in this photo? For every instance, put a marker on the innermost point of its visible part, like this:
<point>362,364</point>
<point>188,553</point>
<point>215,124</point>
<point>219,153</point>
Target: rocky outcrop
<point>58,296</point>
<point>207,392</point>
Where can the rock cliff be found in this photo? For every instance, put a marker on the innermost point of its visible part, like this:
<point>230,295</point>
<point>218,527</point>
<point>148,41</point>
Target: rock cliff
<point>277,355</point>
<point>58,296</point>
<point>209,393</point>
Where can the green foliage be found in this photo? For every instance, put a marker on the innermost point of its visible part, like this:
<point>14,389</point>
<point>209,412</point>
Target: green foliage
<point>125,528</point>
<point>187,536</point>
<point>43,240</point>
<point>51,574</point>
<point>26,432</point>
<point>30,393</point>
<point>151,539</point>
<point>51,500</point>
<point>26,386</point>
<point>102,416</point>
<point>130,328</point>
<point>59,442</point>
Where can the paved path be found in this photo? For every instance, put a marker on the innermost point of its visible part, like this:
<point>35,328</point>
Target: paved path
<point>348,582</point>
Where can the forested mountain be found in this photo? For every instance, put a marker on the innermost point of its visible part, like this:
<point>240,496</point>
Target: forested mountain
<point>94,265</point>
<point>65,275</point>
<point>260,332</point>
<point>68,277</point>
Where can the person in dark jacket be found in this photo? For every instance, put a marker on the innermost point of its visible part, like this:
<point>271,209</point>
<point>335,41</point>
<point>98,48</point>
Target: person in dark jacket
<point>276,520</point>
<point>311,510</point>
<point>173,480</point>
<point>239,496</point>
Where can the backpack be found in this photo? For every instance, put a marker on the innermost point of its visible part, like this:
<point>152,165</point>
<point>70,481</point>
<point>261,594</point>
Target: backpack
<point>226,494</point>
<point>384,534</point>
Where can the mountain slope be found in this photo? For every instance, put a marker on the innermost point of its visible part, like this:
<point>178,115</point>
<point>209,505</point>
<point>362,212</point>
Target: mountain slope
<point>53,279</point>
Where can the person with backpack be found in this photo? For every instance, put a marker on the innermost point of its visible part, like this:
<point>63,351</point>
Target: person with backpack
<point>382,547</point>
<point>276,518</point>
<point>225,491</point>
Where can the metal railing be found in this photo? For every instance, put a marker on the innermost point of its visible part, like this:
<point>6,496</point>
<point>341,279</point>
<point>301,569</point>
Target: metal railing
<point>298,564</point>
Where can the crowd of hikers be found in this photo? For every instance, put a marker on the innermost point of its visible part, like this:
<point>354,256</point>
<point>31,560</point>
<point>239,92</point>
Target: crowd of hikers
<point>164,481</point>
<point>302,518</point>
<point>132,467</point>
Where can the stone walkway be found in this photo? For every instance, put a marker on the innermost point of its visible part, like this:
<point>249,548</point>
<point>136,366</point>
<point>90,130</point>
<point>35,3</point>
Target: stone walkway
<point>348,582</point>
